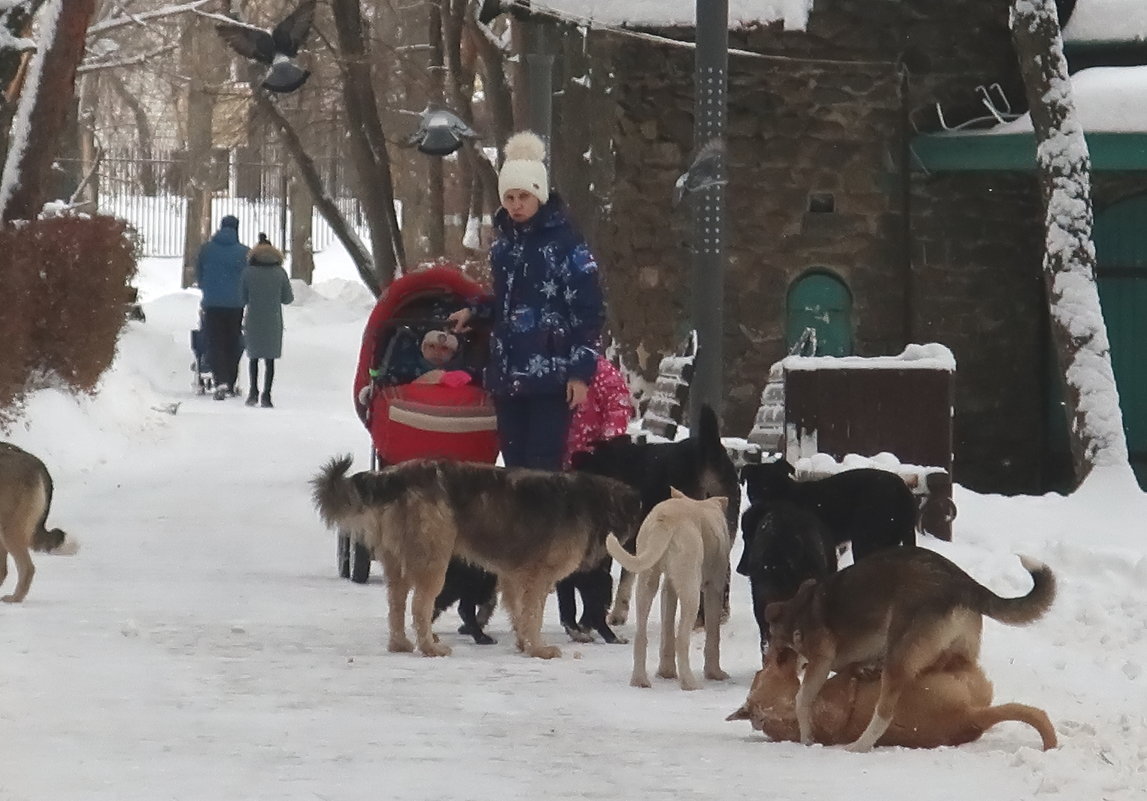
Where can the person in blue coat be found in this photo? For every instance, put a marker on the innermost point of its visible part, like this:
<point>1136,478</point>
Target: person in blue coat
<point>546,314</point>
<point>266,289</point>
<point>219,274</point>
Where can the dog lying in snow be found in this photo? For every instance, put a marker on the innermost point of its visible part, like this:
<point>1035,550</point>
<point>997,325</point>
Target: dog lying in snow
<point>948,704</point>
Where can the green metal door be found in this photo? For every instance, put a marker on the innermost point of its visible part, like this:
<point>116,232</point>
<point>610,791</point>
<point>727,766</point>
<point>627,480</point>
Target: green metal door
<point>1121,255</point>
<point>820,300</point>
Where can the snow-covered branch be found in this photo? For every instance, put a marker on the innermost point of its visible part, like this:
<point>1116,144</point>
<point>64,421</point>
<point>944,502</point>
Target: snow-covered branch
<point>124,19</point>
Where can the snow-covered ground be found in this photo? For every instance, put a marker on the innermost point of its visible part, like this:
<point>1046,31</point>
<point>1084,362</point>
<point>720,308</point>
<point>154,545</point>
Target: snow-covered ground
<point>200,646</point>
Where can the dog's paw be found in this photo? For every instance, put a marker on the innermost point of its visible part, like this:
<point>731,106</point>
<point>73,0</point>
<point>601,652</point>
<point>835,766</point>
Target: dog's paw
<point>435,649</point>
<point>640,680</point>
<point>618,616</point>
<point>858,747</point>
<point>690,683</point>
<point>667,671</point>
<point>545,652</point>
<point>715,674</point>
<point>577,634</point>
<point>617,639</point>
<point>399,645</point>
<point>10,599</point>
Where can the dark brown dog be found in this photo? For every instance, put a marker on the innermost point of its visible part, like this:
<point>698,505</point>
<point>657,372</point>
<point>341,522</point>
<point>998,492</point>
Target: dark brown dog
<point>530,527</point>
<point>906,608</point>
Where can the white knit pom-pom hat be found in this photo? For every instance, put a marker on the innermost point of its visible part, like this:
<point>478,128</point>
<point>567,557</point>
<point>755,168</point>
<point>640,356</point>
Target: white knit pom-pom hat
<point>525,166</point>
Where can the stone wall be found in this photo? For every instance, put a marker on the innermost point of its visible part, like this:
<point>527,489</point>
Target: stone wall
<point>829,111</point>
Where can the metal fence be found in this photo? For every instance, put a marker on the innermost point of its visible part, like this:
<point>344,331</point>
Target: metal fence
<point>150,194</point>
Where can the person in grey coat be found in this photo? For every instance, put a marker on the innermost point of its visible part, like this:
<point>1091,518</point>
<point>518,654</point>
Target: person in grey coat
<point>266,288</point>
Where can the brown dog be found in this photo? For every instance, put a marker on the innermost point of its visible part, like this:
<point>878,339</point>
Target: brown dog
<point>906,608</point>
<point>948,704</point>
<point>530,527</point>
<point>25,499</point>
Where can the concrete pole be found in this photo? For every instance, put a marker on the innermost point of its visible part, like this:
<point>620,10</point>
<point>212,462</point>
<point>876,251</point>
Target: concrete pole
<point>708,280</point>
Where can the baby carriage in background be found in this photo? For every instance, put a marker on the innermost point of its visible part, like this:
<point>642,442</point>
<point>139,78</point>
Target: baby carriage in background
<point>415,420</point>
<point>202,379</point>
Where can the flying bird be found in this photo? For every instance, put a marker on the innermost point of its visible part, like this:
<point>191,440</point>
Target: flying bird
<point>276,48</point>
<point>702,173</point>
<point>440,132</point>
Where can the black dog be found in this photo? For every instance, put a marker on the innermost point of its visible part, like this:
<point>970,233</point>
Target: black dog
<point>872,509</point>
<point>476,593</point>
<point>698,466</point>
<point>788,545</point>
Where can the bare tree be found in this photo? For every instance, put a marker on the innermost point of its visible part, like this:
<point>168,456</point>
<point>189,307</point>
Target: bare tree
<point>1077,326</point>
<point>368,148</point>
<point>43,107</point>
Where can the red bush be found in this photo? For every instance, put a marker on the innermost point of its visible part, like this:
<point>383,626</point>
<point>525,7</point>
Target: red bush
<point>67,285</point>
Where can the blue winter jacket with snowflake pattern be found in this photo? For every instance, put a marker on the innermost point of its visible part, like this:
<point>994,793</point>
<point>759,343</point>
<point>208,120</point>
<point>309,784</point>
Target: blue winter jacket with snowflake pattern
<point>547,309</point>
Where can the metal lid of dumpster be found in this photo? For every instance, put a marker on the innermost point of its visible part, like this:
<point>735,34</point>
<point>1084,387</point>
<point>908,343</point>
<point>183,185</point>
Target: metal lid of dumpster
<point>868,405</point>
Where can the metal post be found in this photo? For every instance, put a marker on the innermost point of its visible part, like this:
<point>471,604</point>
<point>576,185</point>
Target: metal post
<point>708,282</point>
<point>539,78</point>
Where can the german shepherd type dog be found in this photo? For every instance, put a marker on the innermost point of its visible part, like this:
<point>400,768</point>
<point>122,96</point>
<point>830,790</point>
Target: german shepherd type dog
<point>698,466</point>
<point>687,541</point>
<point>25,499</point>
<point>906,608</point>
<point>530,527</point>
<point>948,704</point>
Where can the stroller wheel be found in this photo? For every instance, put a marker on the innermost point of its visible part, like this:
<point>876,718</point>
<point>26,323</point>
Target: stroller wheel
<point>359,563</point>
<point>343,555</point>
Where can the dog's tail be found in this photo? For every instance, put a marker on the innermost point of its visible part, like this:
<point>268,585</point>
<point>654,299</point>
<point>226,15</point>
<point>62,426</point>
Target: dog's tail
<point>334,495</point>
<point>984,718</point>
<point>54,541</point>
<point>1027,608</point>
<point>650,549</point>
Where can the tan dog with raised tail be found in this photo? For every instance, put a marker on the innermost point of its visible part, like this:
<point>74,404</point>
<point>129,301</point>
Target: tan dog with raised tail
<point>905,608</point>
<point>25,499</point>
<point>687,541</point>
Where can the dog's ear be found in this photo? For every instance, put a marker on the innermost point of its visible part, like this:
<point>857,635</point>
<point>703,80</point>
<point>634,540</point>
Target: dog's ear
<point>676,493</point>
<point>740,714</point>
<point>721,501</point>
<point>792,471</point>
<point>775,611</point>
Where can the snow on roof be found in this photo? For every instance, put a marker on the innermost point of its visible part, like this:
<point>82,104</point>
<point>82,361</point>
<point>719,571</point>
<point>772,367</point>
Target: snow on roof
<point>1107,21</point>
<point>1107,100</point>
<point>678,13</point>
<point>932,356</point>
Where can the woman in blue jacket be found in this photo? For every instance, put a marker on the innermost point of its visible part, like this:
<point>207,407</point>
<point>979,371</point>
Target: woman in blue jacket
<point>546,312</point>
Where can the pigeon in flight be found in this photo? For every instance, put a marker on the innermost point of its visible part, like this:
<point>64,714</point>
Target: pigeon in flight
<point>702,173</point>
<point>440,132</point>
<point>276,48</point>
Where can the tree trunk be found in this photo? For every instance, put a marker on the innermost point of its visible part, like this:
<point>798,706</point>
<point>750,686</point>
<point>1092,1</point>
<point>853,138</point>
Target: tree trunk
<point>302,252</point>
<point>436,224</point>
<point>200,109</point>
<point>367,143</point>
<point>143,132</point>
<point>323,201</point>
<point>16,23</point>
<point>89,148</point>
<point>1077,327</point>
<point>44,104</point>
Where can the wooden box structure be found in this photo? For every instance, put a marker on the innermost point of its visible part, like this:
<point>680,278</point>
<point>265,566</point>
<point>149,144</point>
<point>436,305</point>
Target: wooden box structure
<point>900,405</point>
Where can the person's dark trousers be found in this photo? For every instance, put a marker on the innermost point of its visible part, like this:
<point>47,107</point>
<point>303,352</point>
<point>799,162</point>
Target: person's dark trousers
<point>532,430</point>
<point>224,328</point>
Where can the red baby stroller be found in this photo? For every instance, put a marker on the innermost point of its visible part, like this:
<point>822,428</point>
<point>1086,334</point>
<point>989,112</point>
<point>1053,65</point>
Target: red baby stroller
<point>414,420</point>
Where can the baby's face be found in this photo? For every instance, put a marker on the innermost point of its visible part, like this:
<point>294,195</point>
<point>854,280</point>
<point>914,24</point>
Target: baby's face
<point>437,353</point>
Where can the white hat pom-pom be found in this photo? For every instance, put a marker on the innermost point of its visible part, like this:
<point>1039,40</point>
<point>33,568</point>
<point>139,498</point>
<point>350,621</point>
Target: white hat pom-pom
<point>525,146</point>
